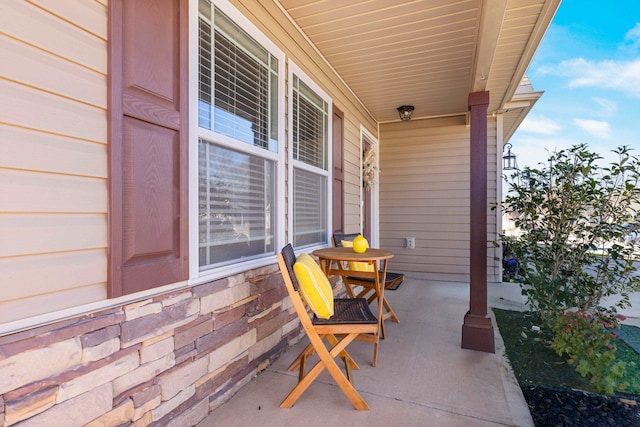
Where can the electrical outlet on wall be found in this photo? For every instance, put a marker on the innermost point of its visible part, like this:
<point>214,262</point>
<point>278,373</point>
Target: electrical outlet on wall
<point>410,242</point>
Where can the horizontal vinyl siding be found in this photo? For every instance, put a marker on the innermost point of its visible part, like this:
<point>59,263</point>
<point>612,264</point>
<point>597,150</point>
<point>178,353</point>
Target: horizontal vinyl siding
<point>55,33</point>
<point>52,301</point>
<point>53,168</point>
<point>424,193</point>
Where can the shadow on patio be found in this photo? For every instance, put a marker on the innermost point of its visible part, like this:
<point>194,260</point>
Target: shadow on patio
<point>423,377</point>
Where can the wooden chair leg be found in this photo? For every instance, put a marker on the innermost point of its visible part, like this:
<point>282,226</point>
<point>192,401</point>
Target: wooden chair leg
<point>390,313</point>
<point>349,287</point>
<point>327,361</point>
<point>308,351</point>
<point>333,341</point>
<point>303,363</point>
<point>347,369</point>
<point>374,339</point>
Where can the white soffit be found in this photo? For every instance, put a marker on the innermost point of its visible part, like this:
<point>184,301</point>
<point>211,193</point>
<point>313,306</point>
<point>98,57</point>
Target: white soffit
<point>426,53</point>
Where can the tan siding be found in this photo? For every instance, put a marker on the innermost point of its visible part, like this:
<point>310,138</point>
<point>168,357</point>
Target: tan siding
<point>35,109</point>
<point>53,171</point>
<point>46,233</point>
<point>27,65</point>
<point>52,273</point>
<point>22,191</point>
<point>28,307</point>
<point>33,150</point>
<point>424,193</point>
<point>55,35</point>
<point>86,15</point>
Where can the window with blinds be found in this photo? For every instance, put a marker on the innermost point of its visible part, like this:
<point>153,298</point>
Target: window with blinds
<point>238,82</point>
<point>236,199</point>
<point>238,127</point>
<point>310,208</point>
<point>310,163</point>
<point>309,126</point>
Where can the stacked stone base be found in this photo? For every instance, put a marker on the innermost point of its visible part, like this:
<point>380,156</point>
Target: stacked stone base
<point>167,360</point>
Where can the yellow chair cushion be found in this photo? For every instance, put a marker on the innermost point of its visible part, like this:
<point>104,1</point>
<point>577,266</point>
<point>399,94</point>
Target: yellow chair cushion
<point>314,287</point>
<point>355,265</point>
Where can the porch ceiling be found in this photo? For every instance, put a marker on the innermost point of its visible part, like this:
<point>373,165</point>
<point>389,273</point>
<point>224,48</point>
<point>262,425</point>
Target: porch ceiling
<point>426,53</point>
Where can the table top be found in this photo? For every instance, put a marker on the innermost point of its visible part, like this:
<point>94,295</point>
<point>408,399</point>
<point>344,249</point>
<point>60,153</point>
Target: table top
<point>347,254</point>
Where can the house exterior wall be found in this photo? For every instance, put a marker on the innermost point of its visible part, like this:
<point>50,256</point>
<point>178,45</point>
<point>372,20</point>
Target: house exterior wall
<point>54,191</point>
<point>53,168</point>
<point>424,194</point>
<point>68,355</point>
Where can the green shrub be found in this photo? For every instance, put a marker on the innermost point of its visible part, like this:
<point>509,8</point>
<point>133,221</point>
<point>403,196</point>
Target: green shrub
<point>586,340</point>
<point>574,218</point>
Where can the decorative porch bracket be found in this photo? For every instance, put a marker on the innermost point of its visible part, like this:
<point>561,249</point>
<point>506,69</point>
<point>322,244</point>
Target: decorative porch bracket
<point>477,330</point>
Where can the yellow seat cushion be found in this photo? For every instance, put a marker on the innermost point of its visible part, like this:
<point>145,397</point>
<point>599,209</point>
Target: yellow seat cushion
<point>314,287</point>
<point>355,265</point>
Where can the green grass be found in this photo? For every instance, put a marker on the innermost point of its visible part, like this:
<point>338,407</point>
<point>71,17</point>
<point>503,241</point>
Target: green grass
<point>535,364</point>
<point>632,375</point>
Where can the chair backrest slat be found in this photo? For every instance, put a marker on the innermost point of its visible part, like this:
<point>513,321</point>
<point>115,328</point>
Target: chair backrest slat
<point>339,237</point>
<point>290,259</point>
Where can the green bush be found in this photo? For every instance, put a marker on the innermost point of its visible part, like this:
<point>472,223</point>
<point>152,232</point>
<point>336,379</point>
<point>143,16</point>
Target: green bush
<point>574,218</point>
<point>586,341</point>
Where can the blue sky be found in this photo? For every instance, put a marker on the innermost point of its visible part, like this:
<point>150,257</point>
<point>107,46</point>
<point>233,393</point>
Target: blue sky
<point>588,65</point>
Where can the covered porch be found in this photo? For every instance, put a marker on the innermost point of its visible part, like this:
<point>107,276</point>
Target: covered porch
<point>169,347</point>
<point>423,376</point>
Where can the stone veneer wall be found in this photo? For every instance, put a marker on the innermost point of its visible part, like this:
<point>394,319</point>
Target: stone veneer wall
<point>168,360</point>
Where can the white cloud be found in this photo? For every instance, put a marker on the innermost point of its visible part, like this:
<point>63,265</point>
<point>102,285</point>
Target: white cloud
<point>531,150</point>
<point>534,150</point>
<point>595,128</point>
<point>539,124</point>
<point>632,38</point>
<point>623,76</point>
<point>609,107</point>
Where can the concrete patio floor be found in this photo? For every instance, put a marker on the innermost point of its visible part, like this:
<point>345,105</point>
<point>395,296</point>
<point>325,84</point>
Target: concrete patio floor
<point>423,377</point>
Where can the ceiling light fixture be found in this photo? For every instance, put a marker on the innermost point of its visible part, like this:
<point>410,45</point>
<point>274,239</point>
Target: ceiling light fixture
<point>405,112</point>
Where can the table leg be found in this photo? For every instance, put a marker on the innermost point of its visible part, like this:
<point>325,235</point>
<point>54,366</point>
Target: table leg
<point>380,280</point>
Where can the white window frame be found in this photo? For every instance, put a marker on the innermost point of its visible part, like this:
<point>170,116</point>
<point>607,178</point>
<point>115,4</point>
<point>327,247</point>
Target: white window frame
<point>295,69</point>
<point>375,191</point>
<point>195,132</point>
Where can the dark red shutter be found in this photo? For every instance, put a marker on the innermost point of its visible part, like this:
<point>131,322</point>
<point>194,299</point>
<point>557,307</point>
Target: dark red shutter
<point>148,140</point>
<point>337,140</point>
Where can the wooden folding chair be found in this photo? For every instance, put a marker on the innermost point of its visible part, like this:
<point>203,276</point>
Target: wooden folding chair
<point>352,317</point>
<point>367,284</point>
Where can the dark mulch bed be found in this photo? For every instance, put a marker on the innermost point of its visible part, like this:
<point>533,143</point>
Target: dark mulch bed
<point>556,394</point>
<point>557,407</point>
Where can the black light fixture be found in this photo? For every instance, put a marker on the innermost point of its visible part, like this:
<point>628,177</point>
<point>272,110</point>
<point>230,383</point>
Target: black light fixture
<point>509,159</point>
<point>405,112</point>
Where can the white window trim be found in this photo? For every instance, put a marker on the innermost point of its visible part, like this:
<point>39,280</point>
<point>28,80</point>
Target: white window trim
<point>294,69</point>
<point>195,275</point>
<point>375,191</point>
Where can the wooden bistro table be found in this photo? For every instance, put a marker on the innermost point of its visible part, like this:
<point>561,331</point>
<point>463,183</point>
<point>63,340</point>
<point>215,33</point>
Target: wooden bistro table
<point>333,262</point>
